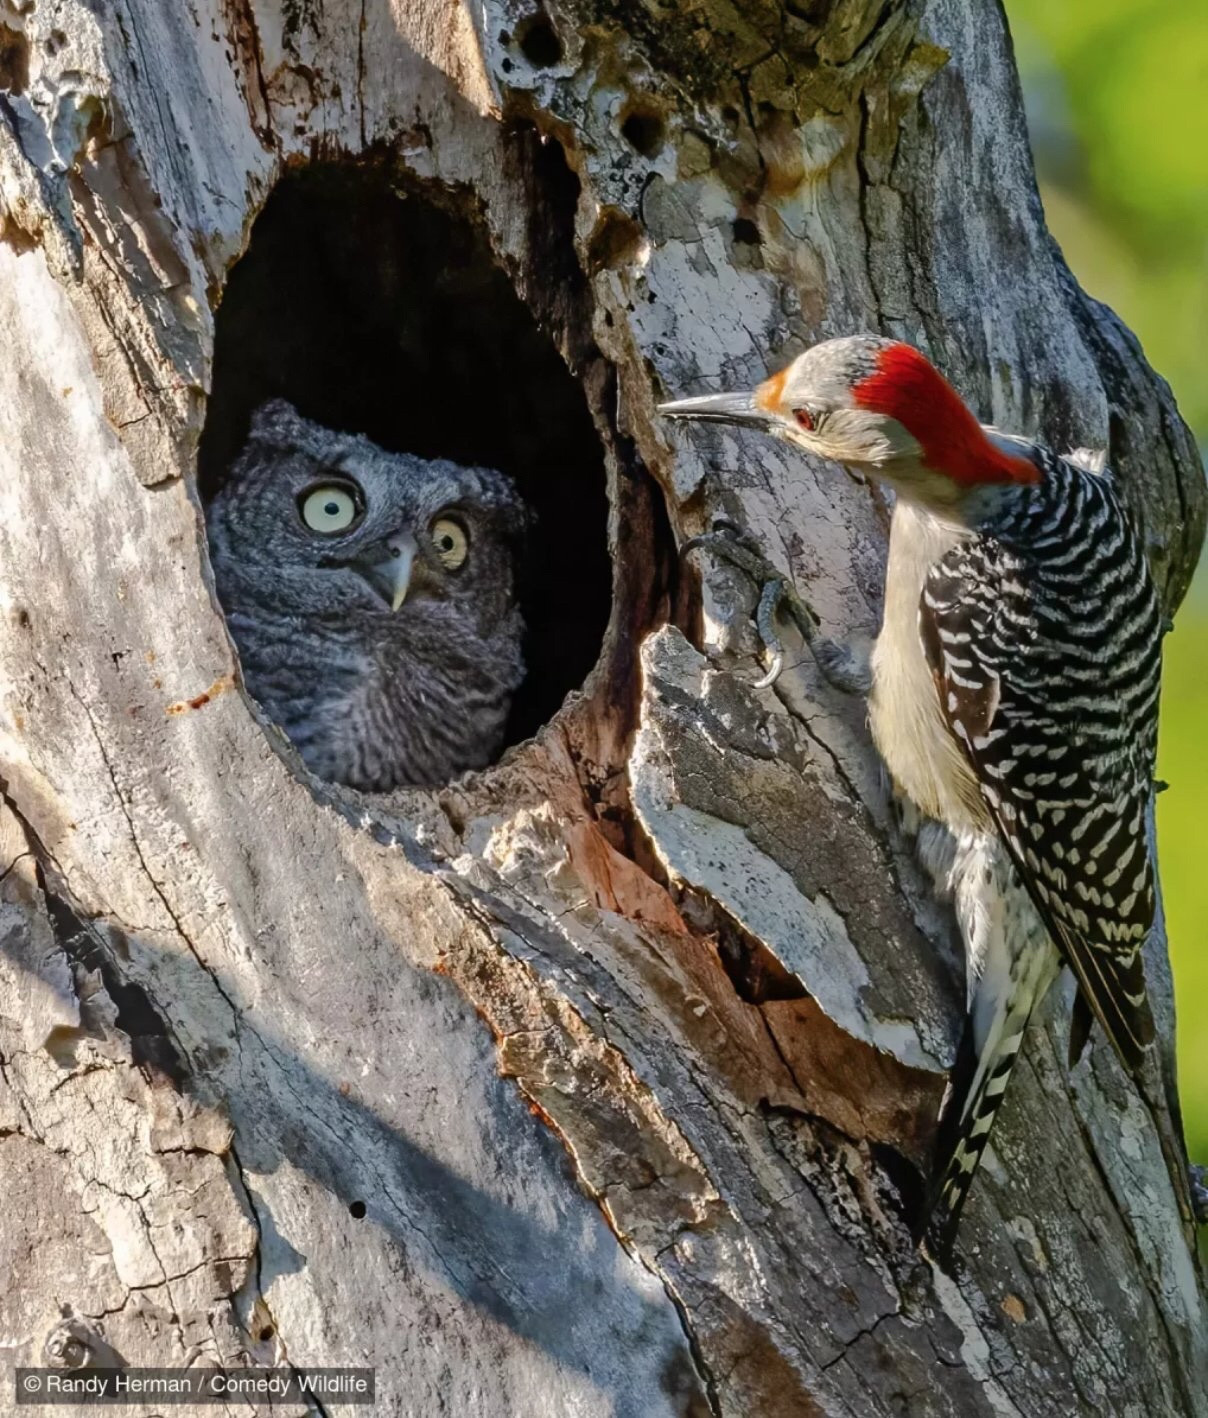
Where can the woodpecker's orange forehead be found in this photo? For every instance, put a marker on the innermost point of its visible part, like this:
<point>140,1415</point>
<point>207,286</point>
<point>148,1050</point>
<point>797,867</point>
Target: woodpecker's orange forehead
<point>769,394</point>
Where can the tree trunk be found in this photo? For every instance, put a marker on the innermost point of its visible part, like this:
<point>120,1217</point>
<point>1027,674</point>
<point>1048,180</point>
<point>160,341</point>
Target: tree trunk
<point>601,1082</point>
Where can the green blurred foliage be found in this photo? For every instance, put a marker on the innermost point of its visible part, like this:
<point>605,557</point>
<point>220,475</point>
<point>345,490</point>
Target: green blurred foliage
<point>1117,99</point>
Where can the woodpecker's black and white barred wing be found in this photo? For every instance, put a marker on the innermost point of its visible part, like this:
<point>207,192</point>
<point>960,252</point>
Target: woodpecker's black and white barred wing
<point>1044,633</point>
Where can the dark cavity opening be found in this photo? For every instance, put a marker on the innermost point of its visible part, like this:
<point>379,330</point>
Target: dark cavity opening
<point>539,42</point>
<point>377,307</point>
<point>14,61</point>
<point>642,129</point>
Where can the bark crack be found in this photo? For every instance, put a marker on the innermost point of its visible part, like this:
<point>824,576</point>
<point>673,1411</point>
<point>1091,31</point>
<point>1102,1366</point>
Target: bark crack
<point>156,885</point>
<point>257,1269</point>
<point>859,1335</point>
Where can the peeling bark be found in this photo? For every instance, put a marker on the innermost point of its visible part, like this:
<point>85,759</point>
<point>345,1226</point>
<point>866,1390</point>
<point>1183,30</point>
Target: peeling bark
<point>602,1081</point>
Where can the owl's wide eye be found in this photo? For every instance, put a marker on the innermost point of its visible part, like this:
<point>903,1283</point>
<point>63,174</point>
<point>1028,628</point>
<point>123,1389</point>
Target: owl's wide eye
<point>331,508</point>
<point>451,542</point>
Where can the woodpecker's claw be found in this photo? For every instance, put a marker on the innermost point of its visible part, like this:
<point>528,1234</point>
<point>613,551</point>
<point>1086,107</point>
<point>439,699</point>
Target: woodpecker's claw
<point>765,618</point>
<point>732,544</point>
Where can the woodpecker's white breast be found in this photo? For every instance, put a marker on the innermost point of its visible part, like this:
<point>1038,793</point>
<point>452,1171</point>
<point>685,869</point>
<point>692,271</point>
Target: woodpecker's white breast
<point>922,756</point>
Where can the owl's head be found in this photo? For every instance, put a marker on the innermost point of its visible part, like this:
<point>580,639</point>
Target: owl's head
<point>337,524</point>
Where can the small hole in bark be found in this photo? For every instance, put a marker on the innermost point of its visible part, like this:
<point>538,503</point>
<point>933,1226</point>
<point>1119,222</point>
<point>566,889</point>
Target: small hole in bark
<point>266,1333</point>
<point>644,131</point>
<point>746,233</point>
<point>539,42</point>
<point>356,1209</point>
<point>374,304</point>
<point>14,60</point>
<point>615,241</point>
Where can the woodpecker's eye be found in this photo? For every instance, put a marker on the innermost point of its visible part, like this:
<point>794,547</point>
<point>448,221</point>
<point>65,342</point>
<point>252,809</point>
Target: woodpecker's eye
<point>330,508</point>
<point>804,418</point>
<point>451,542</point>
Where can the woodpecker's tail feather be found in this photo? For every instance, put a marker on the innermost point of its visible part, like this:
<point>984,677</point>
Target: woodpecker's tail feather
<point>964,1130</point>
<point>978,1087</point>
<point>936,1221</point>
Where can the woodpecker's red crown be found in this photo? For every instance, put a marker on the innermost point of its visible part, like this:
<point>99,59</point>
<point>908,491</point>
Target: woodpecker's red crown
<point>906,386</point>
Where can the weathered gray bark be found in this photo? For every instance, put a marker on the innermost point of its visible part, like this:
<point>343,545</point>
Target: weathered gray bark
<point>627,1046</point>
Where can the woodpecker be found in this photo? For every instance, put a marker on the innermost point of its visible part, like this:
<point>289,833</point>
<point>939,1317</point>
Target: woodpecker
<point>1012,694</point>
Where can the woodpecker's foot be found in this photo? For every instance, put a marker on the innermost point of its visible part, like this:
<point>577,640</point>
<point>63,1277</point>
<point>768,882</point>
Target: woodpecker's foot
<point>845,664</point>
<point>737,547</point>
<point>1198,1177</point>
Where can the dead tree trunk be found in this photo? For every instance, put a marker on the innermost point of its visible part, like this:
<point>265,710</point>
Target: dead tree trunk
<point>598,1083</point>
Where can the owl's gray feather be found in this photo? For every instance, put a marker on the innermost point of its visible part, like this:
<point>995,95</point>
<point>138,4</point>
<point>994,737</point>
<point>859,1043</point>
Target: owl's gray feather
<point>372,697</point>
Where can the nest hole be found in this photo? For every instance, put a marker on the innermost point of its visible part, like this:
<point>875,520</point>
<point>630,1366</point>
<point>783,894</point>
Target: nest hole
<point>14,61</point>
<point>644,130</point>
<point>539,42</point>
<point>746,233</point>
<point>377,307</point>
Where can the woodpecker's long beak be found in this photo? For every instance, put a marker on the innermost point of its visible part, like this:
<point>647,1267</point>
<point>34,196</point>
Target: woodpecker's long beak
<point>393,573</point>
<point>740,409</point>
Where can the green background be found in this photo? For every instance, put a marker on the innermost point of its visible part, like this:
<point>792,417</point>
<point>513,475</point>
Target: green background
<point>1117,100</point>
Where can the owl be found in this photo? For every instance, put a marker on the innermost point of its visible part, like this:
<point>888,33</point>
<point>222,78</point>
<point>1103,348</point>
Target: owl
<point>370,595</point>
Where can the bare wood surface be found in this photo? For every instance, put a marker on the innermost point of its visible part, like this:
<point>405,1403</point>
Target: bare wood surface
<point>598,1083</point>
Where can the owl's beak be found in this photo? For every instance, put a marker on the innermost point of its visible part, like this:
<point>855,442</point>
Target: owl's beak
<point>393,573</point>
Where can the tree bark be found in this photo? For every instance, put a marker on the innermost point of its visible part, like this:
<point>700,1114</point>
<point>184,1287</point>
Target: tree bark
<point>600,1082</point>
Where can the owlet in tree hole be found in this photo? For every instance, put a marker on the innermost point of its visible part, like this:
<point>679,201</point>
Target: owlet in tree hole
<point>370,596</point>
